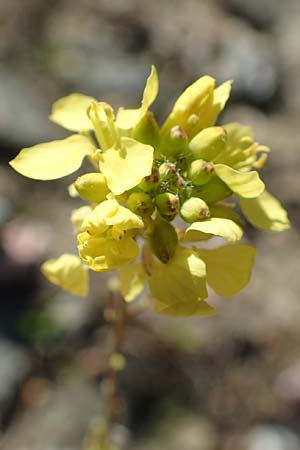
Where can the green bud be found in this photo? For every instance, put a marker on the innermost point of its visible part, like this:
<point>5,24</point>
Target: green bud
<point>166,169</point>
<point>194,209</point>
<point>92,187</point>
<point>178,183</point>
<point>147,131</point>
<point>208,143</point>
<point>163,240</point>
<point>200,172</point>
<point>174,143</point>
<point>150,182</point>
<point>140,203</point>
<point>167,205</point>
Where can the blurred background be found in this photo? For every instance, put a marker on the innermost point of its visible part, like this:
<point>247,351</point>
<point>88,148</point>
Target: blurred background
<point>230,382</point>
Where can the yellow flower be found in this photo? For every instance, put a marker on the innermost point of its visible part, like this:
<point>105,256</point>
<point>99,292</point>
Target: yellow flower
<point>198,106</point>
<point>106,241</point>
<point>124,161</point>
<point>67,272</point>
<point>106,253</point>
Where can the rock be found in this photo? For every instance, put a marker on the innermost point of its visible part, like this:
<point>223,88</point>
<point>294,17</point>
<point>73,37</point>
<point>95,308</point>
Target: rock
<point>272,437</point>
<point>250,59</point>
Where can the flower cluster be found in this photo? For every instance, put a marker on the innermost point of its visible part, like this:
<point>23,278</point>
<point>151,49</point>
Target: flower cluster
<point>156,193</point>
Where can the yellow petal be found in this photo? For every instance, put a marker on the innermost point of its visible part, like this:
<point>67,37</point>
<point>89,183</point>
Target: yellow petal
<point>215,226</point>
<point>265,212</point>
<point>132,281</point>
<point>228,267</point>
<point>102,253</point>
<point>70,112</point>
<point>52,160</point>
<point>245,184</point>
<point>128,118</point>
<point>125,168</point>
<point>221,95</point>
<point>190,108</point>
<point>67,272</point>
<point>180,285</point>
<point>110,213</point>
<point>78,215</point>
<point>151,90</point>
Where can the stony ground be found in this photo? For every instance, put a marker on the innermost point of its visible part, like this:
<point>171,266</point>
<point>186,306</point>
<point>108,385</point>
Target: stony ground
<point>231,382</point>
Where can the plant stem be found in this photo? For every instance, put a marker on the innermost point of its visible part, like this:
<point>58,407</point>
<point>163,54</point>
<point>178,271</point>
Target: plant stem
<point>113,396</point>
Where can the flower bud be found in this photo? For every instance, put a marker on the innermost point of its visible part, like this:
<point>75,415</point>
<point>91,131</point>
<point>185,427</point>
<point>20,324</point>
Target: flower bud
<point>194,209</point>
<point>208,143</point>
<point>174,143</point>
<point>167,205</point>
<point>200,172</point>
<point>140,203</point>
<point>166,168</point>
<point>150,182</point>
<point>92,187</point>
<point>146,130</point>
<point>163,240</point>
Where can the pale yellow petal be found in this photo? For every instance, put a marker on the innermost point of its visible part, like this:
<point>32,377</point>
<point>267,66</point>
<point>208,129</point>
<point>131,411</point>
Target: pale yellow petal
<point>151,90</point>
<point>125,168</point>
<point>265,212</point>
<point>191,104</point>
<point>78,215</point>
<point>245,184</point>
<point>228,267</point>
<point>180,285</point>
<point>132,281</point>
<point>214,226</point>
<point>128,118</point>
<point>68,273</point>
<point>52,160</point>
<point>221,95</point>
<point>110,213</point>
<point>70,112</point>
